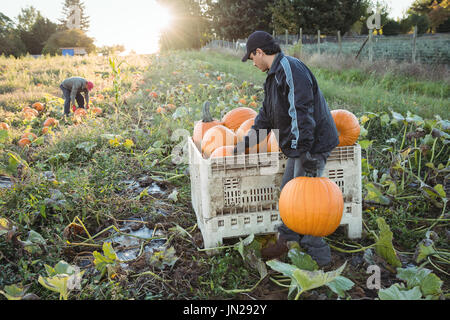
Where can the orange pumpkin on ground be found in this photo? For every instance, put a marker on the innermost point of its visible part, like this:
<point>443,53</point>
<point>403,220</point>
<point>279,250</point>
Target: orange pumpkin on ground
<point>45,130</point>
<point>96,110</point>
<point>311,206</point>
<point>347,126</point>
<point>4,126</point>
<point>80,112</point>
<point>24,141</point>
<point>224,151</point>
<point>216,137</point>
<point>51,122</point>
<point>29,135</point>
<point>30,110</point>
<point>203,125</point>
<point>38,106</point>
<point>234,118</point>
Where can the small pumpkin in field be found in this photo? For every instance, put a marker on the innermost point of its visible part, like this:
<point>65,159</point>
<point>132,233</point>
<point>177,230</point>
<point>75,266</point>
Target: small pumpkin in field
<point>29,135</point>
<point>96,110</point>
<point>51,122</point>
<point>45,130</point>
<point>311,206</point>
<point>38,106</point>
<point>23,142</point>
<point>203,125</point>
<point>234,118</point>
<point>30,110</point>
<point>4,126</point>
<point>216,137</point>
<point>347,126</point>
<point>223,151</point>
<point>80,112</point>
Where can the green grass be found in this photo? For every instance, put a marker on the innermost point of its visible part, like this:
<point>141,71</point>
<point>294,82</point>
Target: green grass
<point>353,89</point>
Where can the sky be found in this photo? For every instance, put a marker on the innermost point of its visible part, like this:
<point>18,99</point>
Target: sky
<point>135,24</point>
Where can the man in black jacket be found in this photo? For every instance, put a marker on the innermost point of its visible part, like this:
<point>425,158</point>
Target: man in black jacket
<point>295,109</point>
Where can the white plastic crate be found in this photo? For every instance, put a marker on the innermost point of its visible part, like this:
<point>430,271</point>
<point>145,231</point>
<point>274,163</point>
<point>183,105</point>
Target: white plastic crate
<point>238,195</point>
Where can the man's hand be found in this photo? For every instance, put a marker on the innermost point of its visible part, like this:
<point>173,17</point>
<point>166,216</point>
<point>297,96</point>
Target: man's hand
<point>74,108</point>
<point>309,164</point>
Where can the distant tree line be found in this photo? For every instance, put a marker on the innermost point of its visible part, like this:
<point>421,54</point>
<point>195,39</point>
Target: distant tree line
<point>195,22</point>
<point>31,33</point>
<point>198,21</point>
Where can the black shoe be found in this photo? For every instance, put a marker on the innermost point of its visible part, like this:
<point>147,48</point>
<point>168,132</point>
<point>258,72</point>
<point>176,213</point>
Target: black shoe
<point>318,249</point>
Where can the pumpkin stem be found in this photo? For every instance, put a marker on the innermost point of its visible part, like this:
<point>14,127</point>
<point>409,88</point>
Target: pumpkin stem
<point>206,113</point>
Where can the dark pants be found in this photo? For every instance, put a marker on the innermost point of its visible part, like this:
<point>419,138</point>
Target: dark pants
<point>79,98</point>
<point>316,246</point>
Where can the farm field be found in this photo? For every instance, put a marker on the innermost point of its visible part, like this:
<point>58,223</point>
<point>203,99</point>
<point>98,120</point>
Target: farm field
<point>102,199</point>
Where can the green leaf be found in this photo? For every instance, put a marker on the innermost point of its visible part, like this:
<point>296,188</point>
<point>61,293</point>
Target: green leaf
<point>166,257</point>
<point>281,267</point>
<point>302,260</point>
<point>414,118</point>
<point>3,136</point>
<point>340,284</point>
<point>383,245</point>
<point>365,143</point>
<point>424,249</point>
<point>375,195</point>
<point>412,275</point>
<point>397,116</point>
<point>308,280</point>
<point>431,285</point>
<point>87,146</point>
<point>13,292</point>
<point>396,292</point>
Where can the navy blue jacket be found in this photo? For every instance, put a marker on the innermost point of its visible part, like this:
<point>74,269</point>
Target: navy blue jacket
<point>294,104</point>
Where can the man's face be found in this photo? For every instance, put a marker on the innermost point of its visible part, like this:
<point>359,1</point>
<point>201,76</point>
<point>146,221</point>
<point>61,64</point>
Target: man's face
<point>258,60</point>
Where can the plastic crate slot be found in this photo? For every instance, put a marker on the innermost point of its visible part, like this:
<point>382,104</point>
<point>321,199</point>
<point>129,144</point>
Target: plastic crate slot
<point>233,221</point>
<point>246,220</point>
<point>259,219</point>
<point>220,223</point>
<point>274,217</point>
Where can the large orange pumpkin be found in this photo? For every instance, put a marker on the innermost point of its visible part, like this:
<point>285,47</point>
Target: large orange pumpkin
<point>311,206</point>
<point>234,118</point>
<point>224,151</point>
<point>203,125</point>
<point>347,126</point>
<point>216,137</point>
<point>4,126</point>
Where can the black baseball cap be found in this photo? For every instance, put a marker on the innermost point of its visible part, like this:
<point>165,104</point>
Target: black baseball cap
<point>258,39</point>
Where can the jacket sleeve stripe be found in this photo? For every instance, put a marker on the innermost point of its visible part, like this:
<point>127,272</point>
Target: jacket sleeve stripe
<point>292,111</point>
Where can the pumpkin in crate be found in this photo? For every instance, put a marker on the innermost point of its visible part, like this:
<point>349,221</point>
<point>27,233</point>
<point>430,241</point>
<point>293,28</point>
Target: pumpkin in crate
<point>216,137</point>
<point>347,126</point>
<point>203,125</point>
<point>272,143</point>
<point>311,206</point>
<point>244,130</point>
<point>234,118</point>
<point>223,151</point>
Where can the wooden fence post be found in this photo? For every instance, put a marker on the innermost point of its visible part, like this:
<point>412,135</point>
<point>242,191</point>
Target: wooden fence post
<point>300,38</point>
<point>339,41</point>
<point>370,45</point>
<point>318,41</point>
<point>287,37</point>
<point>414,45</point>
